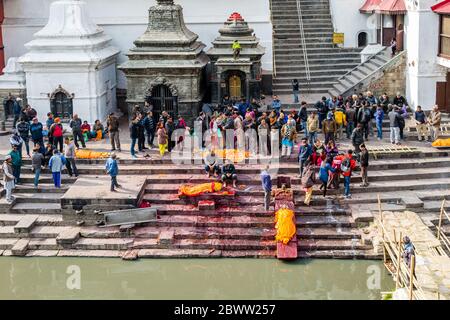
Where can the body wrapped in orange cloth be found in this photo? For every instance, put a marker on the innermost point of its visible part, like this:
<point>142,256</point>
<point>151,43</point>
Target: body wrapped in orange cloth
<point>285,225</point>
<point>88,154</point>
<point>196,190</point>
<point>441,143</point>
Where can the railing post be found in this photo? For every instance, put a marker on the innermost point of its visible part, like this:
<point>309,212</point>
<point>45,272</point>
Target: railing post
<point>440,220</point>
<point>411,276</point>
<point>399,259</point>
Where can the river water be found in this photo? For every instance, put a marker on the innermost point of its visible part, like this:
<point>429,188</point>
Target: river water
<point>90,278</point>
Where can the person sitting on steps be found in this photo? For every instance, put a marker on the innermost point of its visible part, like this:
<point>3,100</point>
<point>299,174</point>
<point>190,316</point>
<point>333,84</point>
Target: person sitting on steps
<point>229,173</point>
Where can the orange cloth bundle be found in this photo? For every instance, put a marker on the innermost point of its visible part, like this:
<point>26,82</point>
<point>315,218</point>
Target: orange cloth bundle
<point>99,135</point>
<point>285,225</point>
<point>88,154</point>
<point>230,154</point>
<point>441,143</point>
<point>193,191</point>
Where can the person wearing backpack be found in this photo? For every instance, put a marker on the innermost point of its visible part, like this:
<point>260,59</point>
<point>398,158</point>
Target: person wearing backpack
<point>347,166</point>
<point>308,180</point>
<point>57,132</point>
<point>364,163</point>
<point>324,174</point>
<point>56,164</point>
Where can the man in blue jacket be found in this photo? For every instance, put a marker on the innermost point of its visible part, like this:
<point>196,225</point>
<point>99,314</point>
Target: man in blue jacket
<point>36,134</point>
<point>112,168</point>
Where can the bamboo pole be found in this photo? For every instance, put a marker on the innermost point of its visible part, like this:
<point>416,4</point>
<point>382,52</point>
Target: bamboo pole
<point>399,260</point>
<point>411,276</point>
<point>440,220</point>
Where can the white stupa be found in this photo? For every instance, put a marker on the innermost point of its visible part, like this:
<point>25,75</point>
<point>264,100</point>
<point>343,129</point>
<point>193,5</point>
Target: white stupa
<point>13,78</point>
<point>71,65</point>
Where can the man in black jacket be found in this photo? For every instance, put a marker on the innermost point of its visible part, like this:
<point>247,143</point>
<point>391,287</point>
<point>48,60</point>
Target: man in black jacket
<point>23,128</point>
<point>364,160</point>
<point>322,110</point>
<point>303,118</point>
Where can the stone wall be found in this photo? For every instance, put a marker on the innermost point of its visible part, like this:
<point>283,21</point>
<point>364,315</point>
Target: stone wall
<point>391,80</point>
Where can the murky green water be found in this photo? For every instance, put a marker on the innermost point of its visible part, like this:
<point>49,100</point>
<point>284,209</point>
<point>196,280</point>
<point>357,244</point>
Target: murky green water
<point>60,278</point>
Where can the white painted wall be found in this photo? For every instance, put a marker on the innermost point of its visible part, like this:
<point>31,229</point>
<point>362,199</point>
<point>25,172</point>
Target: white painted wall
<point>348,20</point>
<point>124,21</point>
<point>423,71</point>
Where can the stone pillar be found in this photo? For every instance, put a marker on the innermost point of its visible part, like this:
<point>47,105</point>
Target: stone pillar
<point>247,85</point>
<point>219,87</point>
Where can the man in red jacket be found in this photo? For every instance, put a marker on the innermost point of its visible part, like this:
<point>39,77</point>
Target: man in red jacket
<point>347,166</point>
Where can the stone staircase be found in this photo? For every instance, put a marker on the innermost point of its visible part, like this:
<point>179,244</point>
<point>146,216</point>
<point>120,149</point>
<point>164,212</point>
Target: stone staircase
<point>36,225</point>
<point>327,62</point>
<point>356,79</point>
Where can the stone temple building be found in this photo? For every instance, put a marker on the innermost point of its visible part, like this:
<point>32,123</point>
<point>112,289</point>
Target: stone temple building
<point>167,65</point>
<point>235,77</point>
<point>71,66</point>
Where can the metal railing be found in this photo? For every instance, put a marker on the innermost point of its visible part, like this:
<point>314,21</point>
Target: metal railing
<point>274,63</point>
<point>303,43</point>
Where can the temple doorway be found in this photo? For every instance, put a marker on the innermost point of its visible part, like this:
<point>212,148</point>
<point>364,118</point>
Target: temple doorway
<point>163,100</point>
<point>61,104</point>
<point>235,85</point>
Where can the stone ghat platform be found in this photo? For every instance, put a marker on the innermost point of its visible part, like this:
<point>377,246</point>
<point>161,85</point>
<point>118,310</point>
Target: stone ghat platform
<point>94,192</point>
<point>43,221</point>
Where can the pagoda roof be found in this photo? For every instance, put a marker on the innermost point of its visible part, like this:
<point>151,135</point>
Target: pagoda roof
<point>442,7</point>
<point>392,7</point>
<point>370,6</point>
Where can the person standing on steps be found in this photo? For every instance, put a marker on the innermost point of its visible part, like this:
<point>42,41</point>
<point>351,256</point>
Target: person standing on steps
<point>16,162</point>
<point>394,124</point>
<point>149,125</point>
<point>70,154</point>
<point>421,124</point>
<point>435,122</point>
<point>17,110</point>
<point>112,168</point>
<point>295,90</point>
<point>357,139</point>
<point>162,138</point>
<point>329,128</point>
<point>75,125</point>
<point>305,151</point>
<point>8,178</point>
<point>364,162</point>
<point>23,129</point>
<point>57,133</point>
<point>308,180</point>
<point>37,161</point>
<point>379,117</point>
<point>266,181</point>
<point>56,164</point>
<point>347,166</point>
<point>114,133</point>
<point>324,174</point>
<point>393,46</point>
<point>313,127</point>
<point>303,118</point>
<point>322,110</point>
<point>36,130</point>
<point>134,134</point>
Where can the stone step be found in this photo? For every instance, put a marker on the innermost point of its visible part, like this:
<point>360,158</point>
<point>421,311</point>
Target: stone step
<point>249,222</point>
<point>9,219</point>
<point>250,210</point>
<point>25,224</point>
<point>38,197</point>
<point>42,208</point>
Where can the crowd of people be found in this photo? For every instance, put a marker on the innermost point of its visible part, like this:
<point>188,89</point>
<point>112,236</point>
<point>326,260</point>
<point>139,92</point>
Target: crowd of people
<point>52,146</point>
